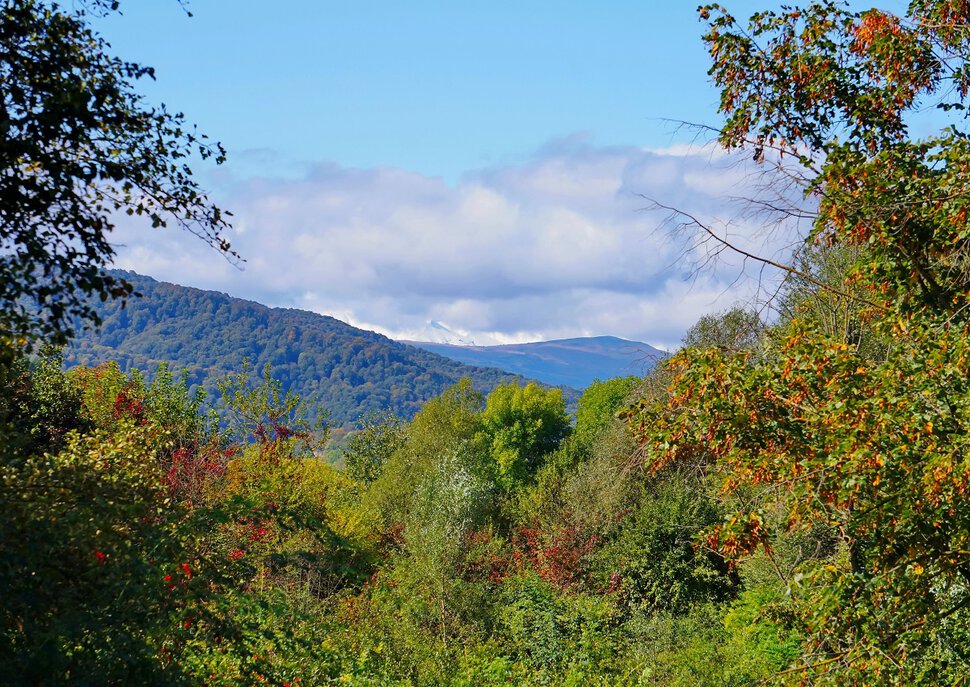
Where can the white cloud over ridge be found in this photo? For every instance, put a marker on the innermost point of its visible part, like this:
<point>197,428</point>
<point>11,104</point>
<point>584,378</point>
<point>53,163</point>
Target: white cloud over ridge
<point>559,245</point>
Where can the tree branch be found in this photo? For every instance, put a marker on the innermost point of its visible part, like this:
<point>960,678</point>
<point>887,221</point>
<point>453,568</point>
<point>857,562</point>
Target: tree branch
<point>692,220</point>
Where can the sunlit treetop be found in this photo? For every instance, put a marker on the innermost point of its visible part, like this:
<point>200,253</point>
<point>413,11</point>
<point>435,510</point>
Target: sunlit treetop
<point>813,77</point>
<point>838,90</point>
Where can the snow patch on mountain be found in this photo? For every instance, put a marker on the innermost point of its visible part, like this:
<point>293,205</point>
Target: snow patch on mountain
<point>438,332</point>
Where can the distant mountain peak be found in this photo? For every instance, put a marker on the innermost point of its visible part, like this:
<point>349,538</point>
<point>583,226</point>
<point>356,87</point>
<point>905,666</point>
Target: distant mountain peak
<point>570,362</point>
<point>438,332</point>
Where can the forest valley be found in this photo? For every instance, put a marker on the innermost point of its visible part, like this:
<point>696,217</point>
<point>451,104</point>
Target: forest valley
<point>783,503</point>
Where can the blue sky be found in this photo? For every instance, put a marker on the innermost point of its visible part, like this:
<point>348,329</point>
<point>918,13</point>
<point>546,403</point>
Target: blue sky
<point>477,163</point>
<point>434,87</point>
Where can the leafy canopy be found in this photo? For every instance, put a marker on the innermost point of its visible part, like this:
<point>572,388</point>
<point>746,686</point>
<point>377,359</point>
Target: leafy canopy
<point>819,430</point>
<point>79,146</point>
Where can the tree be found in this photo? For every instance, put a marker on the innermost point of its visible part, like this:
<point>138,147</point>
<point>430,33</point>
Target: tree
<point>378,436</point>
<point>89,536</point>
<point>735,329</point>
<point>598,406</point>
<point>836,90</point>
<point>841,313</point>
<point>277,421</point>
<point>813,429</point>
<point>444,430</point>
<point>79,147</point>
<point>653,562</point>
<point>39,406</point>
<point>522,426</point>
<point>151,549</point>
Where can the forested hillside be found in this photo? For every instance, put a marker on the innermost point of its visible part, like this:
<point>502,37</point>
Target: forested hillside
<point>349,372</point>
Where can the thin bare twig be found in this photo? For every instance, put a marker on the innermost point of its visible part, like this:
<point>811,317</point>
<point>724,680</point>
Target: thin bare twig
<point>692,220</point>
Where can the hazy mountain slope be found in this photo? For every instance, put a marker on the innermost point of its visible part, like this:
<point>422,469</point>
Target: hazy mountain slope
<point>570,362</point>
<point>330,364</point>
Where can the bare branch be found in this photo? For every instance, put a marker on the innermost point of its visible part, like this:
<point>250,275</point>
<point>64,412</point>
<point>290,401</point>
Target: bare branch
<point>727,245</point>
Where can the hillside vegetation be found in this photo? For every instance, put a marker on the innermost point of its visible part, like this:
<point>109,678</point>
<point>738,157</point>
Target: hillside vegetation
<point>780,503</point>
<point>344,371</point>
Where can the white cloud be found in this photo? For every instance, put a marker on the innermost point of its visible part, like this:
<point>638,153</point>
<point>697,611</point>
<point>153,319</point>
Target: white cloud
<point>559,245</point>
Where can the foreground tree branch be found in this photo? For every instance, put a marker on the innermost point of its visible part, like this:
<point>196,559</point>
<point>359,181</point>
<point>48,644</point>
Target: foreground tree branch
<point>78,148</point>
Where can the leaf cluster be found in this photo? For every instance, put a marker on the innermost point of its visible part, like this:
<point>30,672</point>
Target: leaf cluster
<point>79,146</point>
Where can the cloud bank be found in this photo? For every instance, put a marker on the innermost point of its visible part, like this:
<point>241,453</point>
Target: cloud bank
<point>562,244</point>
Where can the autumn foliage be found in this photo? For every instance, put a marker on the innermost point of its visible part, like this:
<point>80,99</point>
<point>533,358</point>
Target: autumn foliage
<point>810,432</point>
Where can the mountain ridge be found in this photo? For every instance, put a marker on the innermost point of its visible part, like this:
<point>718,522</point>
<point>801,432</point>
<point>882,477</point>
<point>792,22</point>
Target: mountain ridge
<point>574,362</point>
<point>333,366</point>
